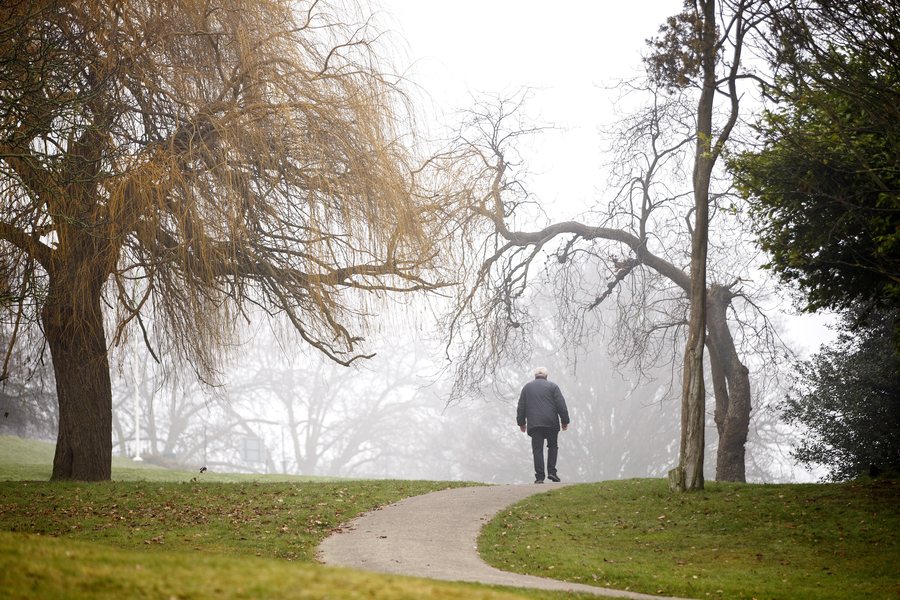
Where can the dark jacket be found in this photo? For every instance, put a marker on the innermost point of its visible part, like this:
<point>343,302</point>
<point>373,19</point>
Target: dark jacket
<point>541,404</point>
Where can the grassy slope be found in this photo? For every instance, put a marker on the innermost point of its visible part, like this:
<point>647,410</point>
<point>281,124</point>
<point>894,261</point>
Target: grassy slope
<point>273,520</point>
<point>30,452</point>
<point>129,537</point>
<point>731,541</point>
<point>37,567</point>
<point>152,509</point>
<point>157,533</point>
<point>22,459</point>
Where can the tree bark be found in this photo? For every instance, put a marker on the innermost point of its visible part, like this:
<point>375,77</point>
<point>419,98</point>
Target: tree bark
<point>73,326</point>
<point>731,384</point>
<point>689,473</point>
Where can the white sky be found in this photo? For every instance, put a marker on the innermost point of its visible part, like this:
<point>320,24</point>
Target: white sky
<point>569,50</point>
<point>564,49</point>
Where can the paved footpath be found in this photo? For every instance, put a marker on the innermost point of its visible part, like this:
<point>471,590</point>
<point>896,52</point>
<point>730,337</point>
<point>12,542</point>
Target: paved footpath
<point>435,536</point>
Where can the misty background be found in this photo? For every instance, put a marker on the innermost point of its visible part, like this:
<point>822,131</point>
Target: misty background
<point>283,409</point>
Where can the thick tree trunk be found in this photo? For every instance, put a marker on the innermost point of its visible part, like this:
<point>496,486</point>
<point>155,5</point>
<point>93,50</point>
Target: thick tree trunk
<point>731,383</point>
<point>73,326</point>
<point>689,473</point>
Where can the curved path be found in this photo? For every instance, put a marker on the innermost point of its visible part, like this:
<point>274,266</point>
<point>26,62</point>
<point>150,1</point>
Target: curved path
<point>435,536</point>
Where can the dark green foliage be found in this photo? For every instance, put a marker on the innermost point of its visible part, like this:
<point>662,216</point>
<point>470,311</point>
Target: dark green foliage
<point>848,398</point>
<point>829,222</point>
<point>825,182</point>
<point>674,62</point>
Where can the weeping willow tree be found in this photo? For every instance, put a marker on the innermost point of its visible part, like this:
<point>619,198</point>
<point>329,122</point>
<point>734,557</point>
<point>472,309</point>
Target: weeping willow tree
<point>167,166</point>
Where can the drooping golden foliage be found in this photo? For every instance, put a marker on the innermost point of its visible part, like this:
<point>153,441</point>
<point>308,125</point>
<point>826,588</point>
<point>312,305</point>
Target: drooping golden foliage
<point>205,157</point>
<point>186,162</point>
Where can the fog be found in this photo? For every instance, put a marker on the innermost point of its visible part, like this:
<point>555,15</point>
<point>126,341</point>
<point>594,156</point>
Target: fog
<point>282,409</point>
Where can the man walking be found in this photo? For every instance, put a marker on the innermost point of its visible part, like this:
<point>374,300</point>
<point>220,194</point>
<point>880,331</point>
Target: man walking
<point>541,408</point>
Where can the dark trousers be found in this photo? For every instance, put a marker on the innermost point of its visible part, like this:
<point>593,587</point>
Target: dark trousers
<point>538,435</point>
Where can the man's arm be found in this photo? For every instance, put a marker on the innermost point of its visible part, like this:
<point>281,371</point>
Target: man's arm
<point>520,411</point>
<point>561,409</point>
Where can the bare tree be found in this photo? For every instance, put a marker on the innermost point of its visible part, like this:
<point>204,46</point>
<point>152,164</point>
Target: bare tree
<point>27,403</point>
<point>637,236</point>
<point>312,416</point>
<point>166,166</point>
<point>335,421</point>
<point>176,416</point>
<point>702,47</point>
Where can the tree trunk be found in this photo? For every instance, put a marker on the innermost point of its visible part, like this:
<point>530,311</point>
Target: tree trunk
<point>146,398</point>
<point>689,473</point>
<point>731,383</point>
<point>73,326</point>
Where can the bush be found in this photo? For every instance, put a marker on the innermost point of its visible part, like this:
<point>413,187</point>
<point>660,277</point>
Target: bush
<point>847,399</point>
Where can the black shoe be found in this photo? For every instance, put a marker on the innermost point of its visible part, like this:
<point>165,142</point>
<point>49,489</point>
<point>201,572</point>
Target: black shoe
<point>539,481</point>
<point>553,478</point>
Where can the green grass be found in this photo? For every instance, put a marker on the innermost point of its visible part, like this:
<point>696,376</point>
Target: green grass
<point>20,450</point>
<point>23,459</point>
<point>190,535</point>
<point>158,533</point>
<point>40,567</point>
<point>279,520</point>
<point>731,541</point>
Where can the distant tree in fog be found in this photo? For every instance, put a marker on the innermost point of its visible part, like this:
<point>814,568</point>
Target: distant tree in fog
<point>335,421</point>
<point>177,416</point>
<point>28,406</point>
<point>313,417</point>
